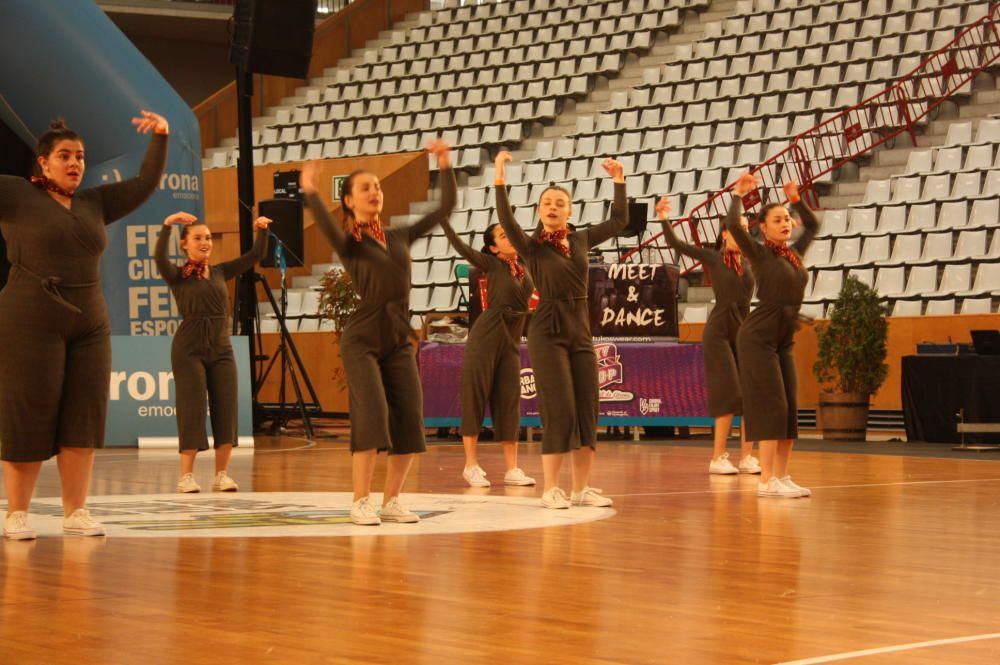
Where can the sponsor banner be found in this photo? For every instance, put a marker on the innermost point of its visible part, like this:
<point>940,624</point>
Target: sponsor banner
<point>633,300</point>
<point>625,300</point>
<point>659,382</point>
<point>143,394</point>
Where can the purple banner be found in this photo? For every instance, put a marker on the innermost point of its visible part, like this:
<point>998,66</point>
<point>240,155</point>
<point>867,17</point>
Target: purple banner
<point>657,383</point>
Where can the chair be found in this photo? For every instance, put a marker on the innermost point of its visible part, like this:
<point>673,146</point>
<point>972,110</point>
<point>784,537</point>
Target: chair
<point>922,279</point>
<point>907,308</point>
<point>940,307</point>
<point>957,278</point>
<point>462,275</point>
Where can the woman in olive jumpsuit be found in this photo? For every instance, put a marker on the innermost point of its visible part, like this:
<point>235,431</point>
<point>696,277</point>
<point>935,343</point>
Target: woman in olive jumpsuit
<point>491,370</point>
<point>559,339</point>
<point>54,328</point>
<point>732,286</point>
<point>386,402</point>
<point>766,339</point>
<point>201,354</point>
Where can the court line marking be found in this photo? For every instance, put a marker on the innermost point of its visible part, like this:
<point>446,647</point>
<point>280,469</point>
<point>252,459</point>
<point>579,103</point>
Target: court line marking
<point>820,487</point>
<point>892,649</point>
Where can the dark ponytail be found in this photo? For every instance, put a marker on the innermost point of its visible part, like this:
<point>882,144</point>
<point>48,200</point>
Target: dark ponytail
<point>489,239</point>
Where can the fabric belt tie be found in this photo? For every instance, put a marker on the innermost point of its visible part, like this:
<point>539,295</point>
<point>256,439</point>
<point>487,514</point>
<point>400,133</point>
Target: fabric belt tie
<point>204,329</point>
<point>564,307</point>
<point>506,316</point>
<point>52,284</point>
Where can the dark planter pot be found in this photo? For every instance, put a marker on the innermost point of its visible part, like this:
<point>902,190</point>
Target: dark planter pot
<point>844,416</point>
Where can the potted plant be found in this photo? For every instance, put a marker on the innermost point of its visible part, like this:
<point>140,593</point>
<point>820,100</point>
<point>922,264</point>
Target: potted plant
<point>337,302</point>
<point>850,364</point>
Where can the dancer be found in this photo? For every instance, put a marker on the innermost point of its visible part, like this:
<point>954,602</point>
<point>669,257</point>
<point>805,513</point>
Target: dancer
<point>559,339</point>
<point>732,286</point>
<point>54,326</point>
<point>201,354</point>
<point>491,371</point>
<point>386,403</point>
<point>766,338</point>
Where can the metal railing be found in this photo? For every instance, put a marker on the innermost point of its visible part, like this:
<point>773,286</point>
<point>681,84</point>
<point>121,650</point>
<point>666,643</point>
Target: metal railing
<point>819,151</point>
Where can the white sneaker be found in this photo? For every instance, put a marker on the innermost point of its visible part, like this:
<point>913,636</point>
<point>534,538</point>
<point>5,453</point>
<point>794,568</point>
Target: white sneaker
<point>591,496</point>
<point>187,484</point>
<point>722,466</point>
<point>363,512</point>
<point>80,523</point>
<point>788,482</point>
<point>394,511</point>
<point>775,488</point>
<point>516,477</point>
<point>555,498</point>
<point>15,527</point>
<point>749,464</point>
<point>223,483</point>
<point>475,476</point>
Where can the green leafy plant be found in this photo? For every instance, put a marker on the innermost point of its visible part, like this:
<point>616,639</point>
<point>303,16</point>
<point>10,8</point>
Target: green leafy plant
<point>337,302</point>
<point>338,299</point>
<point>852,344</point>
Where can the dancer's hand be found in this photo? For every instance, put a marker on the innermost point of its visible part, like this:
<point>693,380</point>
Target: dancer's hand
<point>501,165</point>
<point>614,169</point>
<point>262,222</point>
<point>184,218</point>
<point>746,184</point>
<point>792,191</point>
<point>149,121</point>
<point>307,178</point>
<point>663,208</point>
<point>440,149</point>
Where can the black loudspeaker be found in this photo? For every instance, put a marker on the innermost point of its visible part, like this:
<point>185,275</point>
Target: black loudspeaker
<point>286,216</point>
<point>636,219</point>
<point>273,36</point>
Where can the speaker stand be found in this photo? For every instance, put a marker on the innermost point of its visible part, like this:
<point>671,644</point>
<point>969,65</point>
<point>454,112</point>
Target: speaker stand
<point>290,366</point>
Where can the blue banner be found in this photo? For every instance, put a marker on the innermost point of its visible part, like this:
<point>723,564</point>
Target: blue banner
<point>74,63</point>
<point>143,398</point>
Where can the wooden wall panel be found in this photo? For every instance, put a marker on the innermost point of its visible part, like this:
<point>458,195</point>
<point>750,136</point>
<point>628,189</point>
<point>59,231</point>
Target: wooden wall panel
<point>904,335</point>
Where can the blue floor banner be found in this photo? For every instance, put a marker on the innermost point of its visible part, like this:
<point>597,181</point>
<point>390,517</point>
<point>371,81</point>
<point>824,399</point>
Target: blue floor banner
<point>143,396</point>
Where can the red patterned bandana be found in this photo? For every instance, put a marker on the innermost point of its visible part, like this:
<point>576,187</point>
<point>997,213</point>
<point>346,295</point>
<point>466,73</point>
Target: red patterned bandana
<point>49,186</point>
<point>516,269</point>
<point>555,239</point>
<point>373,227</point>
<point>196,268</point>
<point>784,252</point>
<point>731,258</point>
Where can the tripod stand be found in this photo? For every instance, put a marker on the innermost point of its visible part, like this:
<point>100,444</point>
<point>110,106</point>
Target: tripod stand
<point>286,355</point>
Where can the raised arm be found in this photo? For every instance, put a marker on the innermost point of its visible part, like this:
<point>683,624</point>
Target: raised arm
<point>505,215</point>
<point>334,233</point>
<point>449,194</point>
<point>241,264</point>
<point>120,198</point>
<point>809,222</point>
<point>750,247</point>
<point>473,256</point>
<point>618,220</point>
<point>170,273</point>
<point>675,243</point>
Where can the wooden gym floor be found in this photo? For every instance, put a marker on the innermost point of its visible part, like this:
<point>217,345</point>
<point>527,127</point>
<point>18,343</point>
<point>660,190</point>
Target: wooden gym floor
<point>893,556</point>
